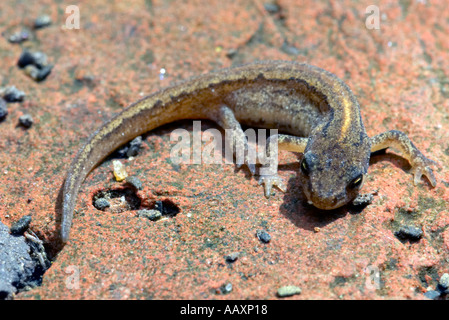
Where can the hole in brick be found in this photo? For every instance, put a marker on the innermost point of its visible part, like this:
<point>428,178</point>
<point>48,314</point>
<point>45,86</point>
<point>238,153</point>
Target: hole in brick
<point>116,200</point>
<point>167,207</point>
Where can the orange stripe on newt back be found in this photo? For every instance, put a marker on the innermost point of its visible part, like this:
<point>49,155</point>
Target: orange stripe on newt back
<point>347,116</point>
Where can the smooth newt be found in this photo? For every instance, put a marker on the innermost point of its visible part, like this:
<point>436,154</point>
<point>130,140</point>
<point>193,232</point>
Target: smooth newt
<point>317,111</point>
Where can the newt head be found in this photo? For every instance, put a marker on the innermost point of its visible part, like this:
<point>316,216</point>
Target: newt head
<point>332,172</point>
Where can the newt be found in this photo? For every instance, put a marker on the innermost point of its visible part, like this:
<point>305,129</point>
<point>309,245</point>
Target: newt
<point>316,112</point>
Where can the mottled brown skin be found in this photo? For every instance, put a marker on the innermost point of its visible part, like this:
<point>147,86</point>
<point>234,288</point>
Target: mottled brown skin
<point>317,111</point>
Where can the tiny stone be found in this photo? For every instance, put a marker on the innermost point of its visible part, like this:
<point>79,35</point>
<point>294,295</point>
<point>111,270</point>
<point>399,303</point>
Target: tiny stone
<point>3,110</point>
<point>287,291</point>
<point>18,269</point>
<point>131,149</point>
<point>119,170</point>
<point>101,203</point>
<point>231,53</point>
<point>271,7</point>
<point>363,199</point>
<point>121,153</point>
<point>432,294</point>
<point>32,71</point>
<point>12,94</point>
<point>444,281</point>
<point>38,59</point>
<point>26,120</point>
<point>149,214</point>
<point>290,49</point>
<point>19,37</point>
<point>134,182</point>
<point>226,288</point>
<point>232,257</point>
<point>25,59</point>
<point>409,232</point>
<point>42,21</point>
<point>134,147</point>
<point>43,73</point>
<point>19,227</point>
<point>159,206</point>
<point>263,236</point>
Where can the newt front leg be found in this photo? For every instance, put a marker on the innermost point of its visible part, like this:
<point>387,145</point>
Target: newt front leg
<point>399,140</point>
<point>274,143</point>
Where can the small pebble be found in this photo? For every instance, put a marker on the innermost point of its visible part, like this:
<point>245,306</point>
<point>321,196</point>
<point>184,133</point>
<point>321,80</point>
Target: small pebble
<point>42,21</point>
<point>19,227</point>
<point>12,94</point>
<point>134,147</point>
<point>290,49</point>
<point>38,74</point>
<point>288,291</point>
<point>432,294</point>
<point>44,73</point>
<point>444,281</point>
<point>119,170</point>
<point>3,110</point>
<point>231,53</point>
<point>26,120</point>
<point>131,149</point>
<point>134,182</point>
<point>25,59</point>
<point>101,203</point>
<point>225,288</point>
<point>232,257</point>
<point>363,199</point>
<point>151,214</point>
<point>19,36</point>
<point>38,59</point>
<point>263,236</point>
<point>271,7</point>
<point>409,232</point>
<point>121,153</point>
<point>32,71</point>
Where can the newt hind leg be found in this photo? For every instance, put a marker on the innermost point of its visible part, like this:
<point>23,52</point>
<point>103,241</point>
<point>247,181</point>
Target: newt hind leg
<point>226,119</point>
<point>399,140</point>
<point>268,172</point>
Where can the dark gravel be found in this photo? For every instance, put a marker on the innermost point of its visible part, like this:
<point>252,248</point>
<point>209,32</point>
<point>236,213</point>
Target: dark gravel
<point>26,121</point>
<point>17,267</point>
<point>134,182</point>
<point>409,233</point>
<point>20,226</point>
<point>263,236</point>
<point>102,203</point>
<point>3,109</point>
<point>12,94</point>
<point>42,21</point>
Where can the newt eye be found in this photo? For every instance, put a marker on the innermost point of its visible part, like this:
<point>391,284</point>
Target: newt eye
<point>305,167</point>
<point>356,182</point>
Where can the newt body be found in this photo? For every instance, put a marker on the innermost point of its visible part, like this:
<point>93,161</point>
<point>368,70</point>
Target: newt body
<point>317,111</point>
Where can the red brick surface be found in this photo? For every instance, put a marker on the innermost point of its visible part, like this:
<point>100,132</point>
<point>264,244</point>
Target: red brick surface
<point>399,74</point>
